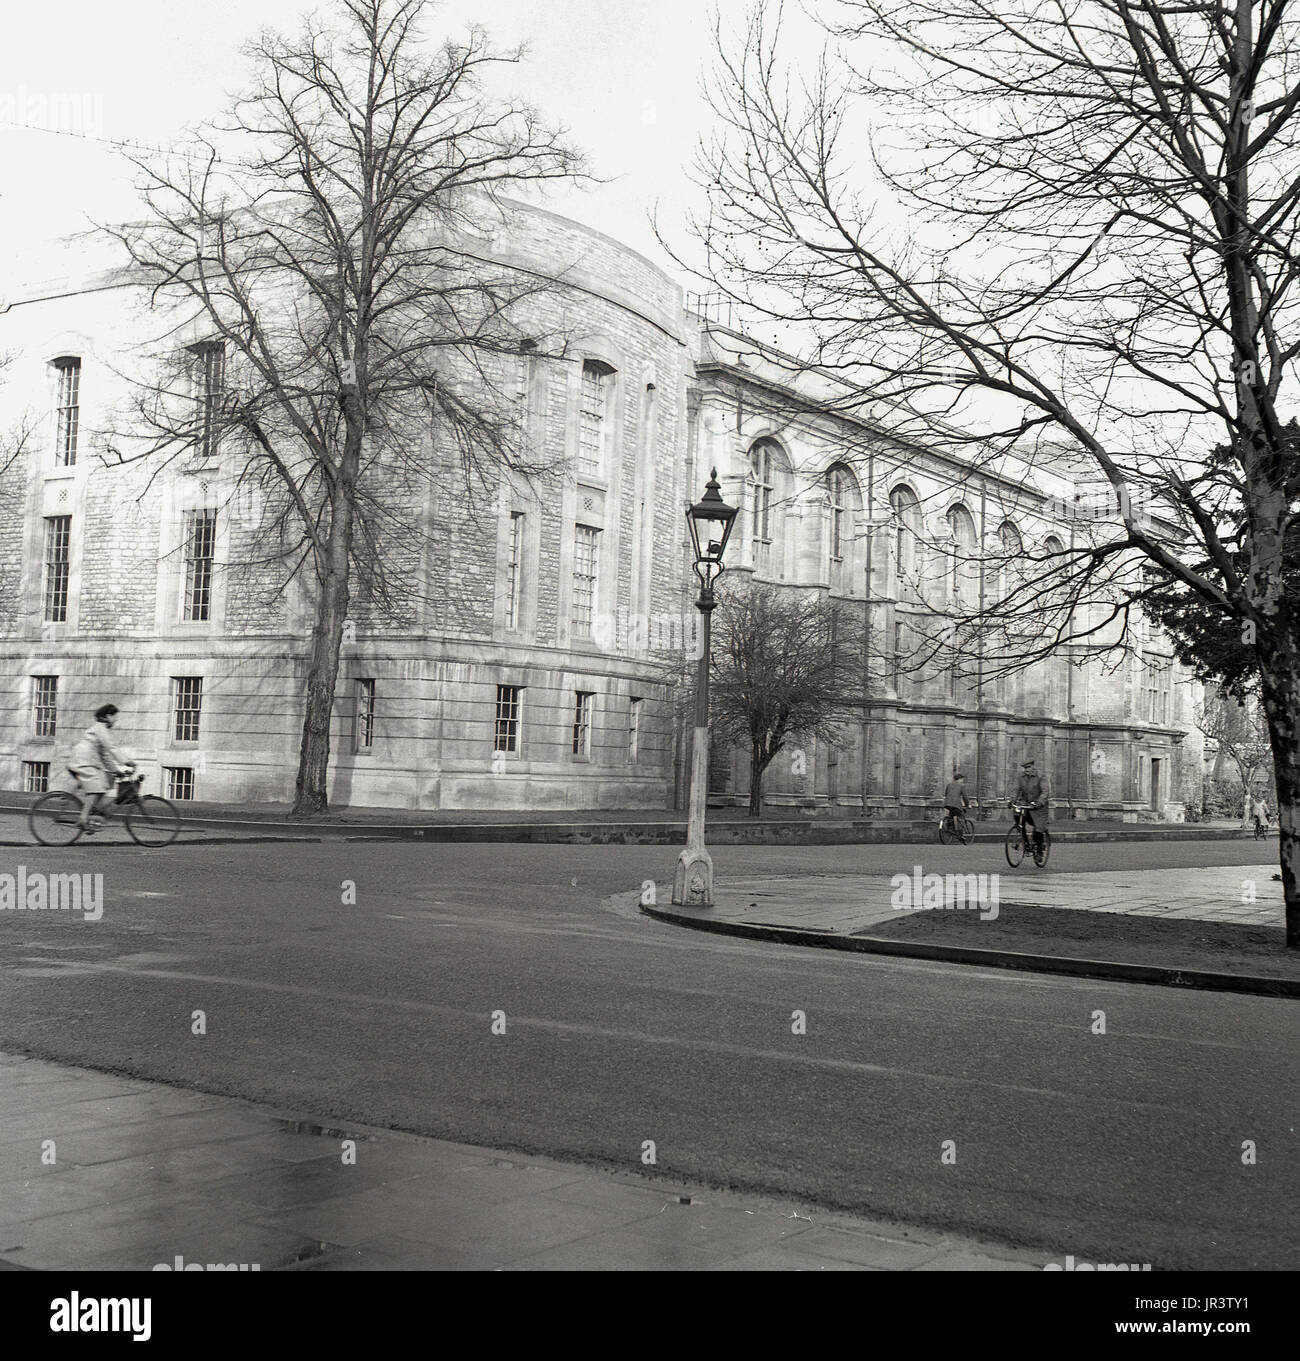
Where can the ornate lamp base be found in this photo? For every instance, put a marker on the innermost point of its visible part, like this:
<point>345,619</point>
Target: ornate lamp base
<point>693,882</point>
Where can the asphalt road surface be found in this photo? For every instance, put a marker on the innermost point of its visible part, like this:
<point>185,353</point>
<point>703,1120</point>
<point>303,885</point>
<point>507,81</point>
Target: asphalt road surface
<point>1124,1147</point>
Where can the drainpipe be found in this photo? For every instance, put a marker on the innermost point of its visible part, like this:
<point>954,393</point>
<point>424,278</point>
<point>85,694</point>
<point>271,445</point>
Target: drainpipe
<point>979,653</point>
<point>1069,712</point>
<point>866,674</point>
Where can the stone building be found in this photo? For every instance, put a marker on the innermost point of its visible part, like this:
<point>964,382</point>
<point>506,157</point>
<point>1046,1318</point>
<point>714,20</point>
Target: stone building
<point>521,681</point>
<point>537,669</point>
<point>832,501</point>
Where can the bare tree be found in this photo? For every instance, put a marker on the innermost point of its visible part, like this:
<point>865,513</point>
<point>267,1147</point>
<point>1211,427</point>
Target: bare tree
<point>15,442</point>
<point>782,663</point>
<point>330,241</point>
<point>1239,731</point>
<point>16,438</point>
<point>1094,265</point>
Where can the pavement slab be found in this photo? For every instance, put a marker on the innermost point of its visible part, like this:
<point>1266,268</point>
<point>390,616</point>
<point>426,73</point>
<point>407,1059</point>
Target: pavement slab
<point>847,904</point>
<point>149,1173</point>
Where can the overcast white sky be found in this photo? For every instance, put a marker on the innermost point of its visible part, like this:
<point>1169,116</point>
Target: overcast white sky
<point>623,75</point>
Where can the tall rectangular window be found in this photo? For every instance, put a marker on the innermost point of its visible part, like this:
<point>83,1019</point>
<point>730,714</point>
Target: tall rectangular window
<point>582,723</point>
<point>902,681</point>
<point>586,564</point>
<point>506,737</point>
<point>524,370</point>
<point>187,704</point>
<point>837,498</point>
<point>200,553</point>
<point>592,416</point>
<point>180,781</point>
<point>1016,690</point>
<point>45,705</point>
<point>58,549</point>
<point>364,732</point>
<point>762,484</point>
<point>209,385</point>
<point>634,728</point>
<point>514,569</point>
<point>36,777</point>
<point>1156,681</point>
<point>67,410</point>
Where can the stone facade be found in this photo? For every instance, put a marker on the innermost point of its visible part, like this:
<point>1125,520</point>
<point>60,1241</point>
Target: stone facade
<point>417,709</point>
<point>511,610</point>
<point>1114,732</point>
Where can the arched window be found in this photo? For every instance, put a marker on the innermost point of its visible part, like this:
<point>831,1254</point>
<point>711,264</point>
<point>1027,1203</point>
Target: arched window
<point>964,575</point>
<point>907,526</point>
<point>1048,570</point>
<point>1057,624</point>
<point>768,470</point>
<point>843,501</point>
<point>1011,550</point>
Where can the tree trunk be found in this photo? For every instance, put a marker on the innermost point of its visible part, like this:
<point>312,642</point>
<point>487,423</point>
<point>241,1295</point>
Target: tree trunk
<point>312,793</point>
<point>756,767</point>
<point>1280,686</point>
<point>1246,821</point>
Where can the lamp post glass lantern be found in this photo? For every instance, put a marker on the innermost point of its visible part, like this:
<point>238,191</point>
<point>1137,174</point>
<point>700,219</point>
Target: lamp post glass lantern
<point>710,522</point>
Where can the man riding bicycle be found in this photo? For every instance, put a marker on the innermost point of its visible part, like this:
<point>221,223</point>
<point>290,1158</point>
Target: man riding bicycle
<point>96,764</point>
<point>955,802</point>
<point>1032,795</point>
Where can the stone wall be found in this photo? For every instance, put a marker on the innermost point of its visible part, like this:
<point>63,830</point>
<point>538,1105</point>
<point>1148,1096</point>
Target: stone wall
<point>1079,713</point>
<point>436,663</point>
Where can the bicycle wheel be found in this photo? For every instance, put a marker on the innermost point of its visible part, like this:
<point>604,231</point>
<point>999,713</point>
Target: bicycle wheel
<point>967,831</point>
<point>1259,831</point>
<point>153,821</point>
<point>947,835</point>
<point>55,819</point>
<point>1043,849</point>
<point>1015,847</point>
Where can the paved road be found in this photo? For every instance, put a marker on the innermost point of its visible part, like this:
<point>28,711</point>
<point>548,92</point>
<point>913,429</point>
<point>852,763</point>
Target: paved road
<point>1122,1147</point>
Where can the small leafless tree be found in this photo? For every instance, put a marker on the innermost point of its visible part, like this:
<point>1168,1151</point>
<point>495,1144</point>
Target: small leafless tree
<point>1068,231</point>
<point>16,438</point>
<point>331,240</point>
<point>1239,731</point>
<point>783,662</point>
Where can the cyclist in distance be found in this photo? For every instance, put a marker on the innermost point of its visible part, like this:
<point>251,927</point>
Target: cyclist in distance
<point>96,764</point>
<point>955,802</point>
<point>1032,794</point>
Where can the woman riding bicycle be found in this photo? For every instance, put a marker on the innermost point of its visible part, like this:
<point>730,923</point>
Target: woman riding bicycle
<point>96,764</point>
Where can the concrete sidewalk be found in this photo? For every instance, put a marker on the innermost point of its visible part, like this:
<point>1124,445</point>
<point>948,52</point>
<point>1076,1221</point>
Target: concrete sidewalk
<point>856,911</point>
<point>846,904</point>
<point>103,1172</point>
<point>642,826</point>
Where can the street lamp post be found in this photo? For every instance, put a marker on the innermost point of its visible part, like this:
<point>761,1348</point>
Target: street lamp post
<point>710,521</point>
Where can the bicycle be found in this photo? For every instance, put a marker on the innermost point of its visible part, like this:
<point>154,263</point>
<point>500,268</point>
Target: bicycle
<point>1262,828</point>
<point>954,829</point>
<point>1019,834</point>
<point>55,818</point>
